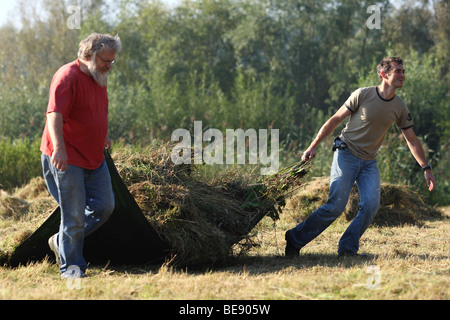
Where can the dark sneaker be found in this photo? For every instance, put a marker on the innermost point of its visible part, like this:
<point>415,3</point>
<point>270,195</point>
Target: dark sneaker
<point>291,251</point>
<point>53,244</point>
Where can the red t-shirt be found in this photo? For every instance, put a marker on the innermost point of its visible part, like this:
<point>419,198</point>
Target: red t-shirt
<point>84,107</point>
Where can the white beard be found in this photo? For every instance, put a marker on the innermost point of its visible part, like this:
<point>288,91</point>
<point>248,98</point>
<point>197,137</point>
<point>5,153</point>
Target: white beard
<point>100,77</point>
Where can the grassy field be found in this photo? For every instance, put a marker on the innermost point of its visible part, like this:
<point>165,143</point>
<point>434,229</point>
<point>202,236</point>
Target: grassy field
<point>403,262</point>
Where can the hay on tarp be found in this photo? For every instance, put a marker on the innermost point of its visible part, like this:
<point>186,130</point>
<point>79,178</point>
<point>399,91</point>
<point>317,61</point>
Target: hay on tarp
<point>202,219</point>
<point>399,204</point>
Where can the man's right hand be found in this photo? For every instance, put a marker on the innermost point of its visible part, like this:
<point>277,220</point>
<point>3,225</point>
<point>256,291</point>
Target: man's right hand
<point>59,159</point>
<point>309,154</point>
<point>55,129</point>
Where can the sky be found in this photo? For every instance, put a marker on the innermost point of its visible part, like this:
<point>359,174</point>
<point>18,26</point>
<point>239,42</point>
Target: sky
<point>6,8</point>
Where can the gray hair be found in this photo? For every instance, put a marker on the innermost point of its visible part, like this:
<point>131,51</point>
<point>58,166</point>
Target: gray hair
<point>96,42</point>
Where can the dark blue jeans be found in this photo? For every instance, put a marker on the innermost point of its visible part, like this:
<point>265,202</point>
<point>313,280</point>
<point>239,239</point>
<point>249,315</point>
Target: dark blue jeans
<point>86,200</point>
<point>345,170</point>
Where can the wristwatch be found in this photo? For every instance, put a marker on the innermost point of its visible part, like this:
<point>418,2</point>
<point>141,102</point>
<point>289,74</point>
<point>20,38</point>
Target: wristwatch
<point>426,168</point>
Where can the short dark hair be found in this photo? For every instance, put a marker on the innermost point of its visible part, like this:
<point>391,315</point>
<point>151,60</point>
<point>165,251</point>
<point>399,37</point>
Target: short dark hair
<point>385,65</point>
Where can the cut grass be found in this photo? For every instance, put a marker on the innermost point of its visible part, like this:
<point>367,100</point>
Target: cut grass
<point>413,263</point>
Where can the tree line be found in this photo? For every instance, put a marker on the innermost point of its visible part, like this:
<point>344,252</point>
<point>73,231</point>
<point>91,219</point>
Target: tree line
<point>284,64</point>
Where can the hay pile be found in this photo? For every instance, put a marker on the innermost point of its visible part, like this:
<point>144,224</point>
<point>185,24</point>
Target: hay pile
<point>32,197</point>
<point>201,219</point>
<point>22,210</point>
<point>399,205</point>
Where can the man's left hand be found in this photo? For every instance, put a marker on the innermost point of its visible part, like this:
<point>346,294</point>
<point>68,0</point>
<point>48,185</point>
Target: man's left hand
<point>429,178</point>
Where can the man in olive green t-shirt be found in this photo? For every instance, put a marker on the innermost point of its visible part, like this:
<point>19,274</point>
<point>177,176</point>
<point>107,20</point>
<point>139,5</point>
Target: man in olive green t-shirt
<point>371,117</point>
<point>372,111</point>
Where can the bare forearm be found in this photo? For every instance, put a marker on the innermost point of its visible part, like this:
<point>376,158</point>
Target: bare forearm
<point>325,131</point>
<point>417,151</point>
<point>55,129</point>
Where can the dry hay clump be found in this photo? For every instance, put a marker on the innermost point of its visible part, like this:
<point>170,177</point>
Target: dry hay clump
<point>200,218</point>
<point>11,206</point>
<point>22,210</point>
<point>399,205</point>
<point>21,201</point>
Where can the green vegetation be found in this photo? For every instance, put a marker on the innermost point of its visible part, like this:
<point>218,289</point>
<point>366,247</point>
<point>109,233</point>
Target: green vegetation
<point>233,64</point>
<point>19,161</point>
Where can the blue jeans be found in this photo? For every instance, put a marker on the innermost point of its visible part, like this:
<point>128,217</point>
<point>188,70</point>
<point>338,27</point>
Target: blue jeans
<point>345,170</point>
<point>86,200</point>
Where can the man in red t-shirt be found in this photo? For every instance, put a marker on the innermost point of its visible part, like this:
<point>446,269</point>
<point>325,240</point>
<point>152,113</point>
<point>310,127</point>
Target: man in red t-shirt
<point>73,141</point>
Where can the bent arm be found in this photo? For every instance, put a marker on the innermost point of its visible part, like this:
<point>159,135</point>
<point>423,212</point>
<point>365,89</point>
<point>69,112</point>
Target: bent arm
<point>327,129</point>
<point>416,149</point>
<point>55,129</point>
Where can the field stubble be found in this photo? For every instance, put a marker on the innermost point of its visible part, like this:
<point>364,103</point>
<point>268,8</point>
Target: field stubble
<point>404,261</point>
<point>413,263</point>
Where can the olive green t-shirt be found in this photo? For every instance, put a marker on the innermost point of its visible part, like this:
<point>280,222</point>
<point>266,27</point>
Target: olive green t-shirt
<point>370,119</point>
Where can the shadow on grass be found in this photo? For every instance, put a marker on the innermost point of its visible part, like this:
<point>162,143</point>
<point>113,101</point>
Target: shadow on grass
<point>260,265</point>
<point>256,265</point>
<point>275,263</point>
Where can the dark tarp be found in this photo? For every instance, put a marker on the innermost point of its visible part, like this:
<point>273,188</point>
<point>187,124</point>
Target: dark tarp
<point>126,238</point>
